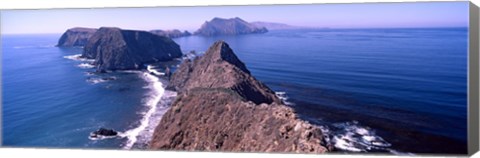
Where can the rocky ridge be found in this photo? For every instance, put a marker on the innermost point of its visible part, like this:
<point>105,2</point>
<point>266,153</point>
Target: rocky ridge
<point>222,107</point>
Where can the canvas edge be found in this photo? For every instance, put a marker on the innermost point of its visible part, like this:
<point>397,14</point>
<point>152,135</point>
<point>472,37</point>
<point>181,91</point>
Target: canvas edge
<point>473,83</point>
<point>473,110</point>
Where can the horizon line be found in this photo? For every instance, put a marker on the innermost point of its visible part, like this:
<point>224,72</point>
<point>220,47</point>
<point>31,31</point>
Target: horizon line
<point>297,28</point>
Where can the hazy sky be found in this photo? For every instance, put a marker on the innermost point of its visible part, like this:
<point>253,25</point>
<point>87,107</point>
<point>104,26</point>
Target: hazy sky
<point>372,15</point>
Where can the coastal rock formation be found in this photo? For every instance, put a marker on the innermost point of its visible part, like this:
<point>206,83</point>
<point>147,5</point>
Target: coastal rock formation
<point>220,68</point>
<point>76,37</point>
<point>222,107</point>
<point>103,132</point>
<point>171,33</point>
<point>116,49</point>
<point>233,26</point>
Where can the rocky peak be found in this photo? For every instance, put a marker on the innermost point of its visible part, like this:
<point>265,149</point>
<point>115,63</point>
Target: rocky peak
<point>219,67</point>
<point>221,51</point>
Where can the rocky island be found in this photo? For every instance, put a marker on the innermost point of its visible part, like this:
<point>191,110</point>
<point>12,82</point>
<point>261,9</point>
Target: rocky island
<point>76,37</point>
<point>221,107</point>
<point>171,33</point>
<point>117,49</point>
<point>232,26</point>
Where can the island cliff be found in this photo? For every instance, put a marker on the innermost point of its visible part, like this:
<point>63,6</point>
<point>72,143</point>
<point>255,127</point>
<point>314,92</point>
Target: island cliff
<point>76,37</point>
<point>221,107</point>
<point>233,26</point>
<point>116,49</point>
<point>171,33</point>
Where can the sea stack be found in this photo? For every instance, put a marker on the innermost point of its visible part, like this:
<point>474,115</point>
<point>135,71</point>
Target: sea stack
<point>171,33</point>
<point>75,37</point>
<point>221,107</point>
<point>117,49</point>
<point>232,26</point>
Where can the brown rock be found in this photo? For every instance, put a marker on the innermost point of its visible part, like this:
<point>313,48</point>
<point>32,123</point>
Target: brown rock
<point>221,107</point>
<point>220,68</point>
<point>220,120</point>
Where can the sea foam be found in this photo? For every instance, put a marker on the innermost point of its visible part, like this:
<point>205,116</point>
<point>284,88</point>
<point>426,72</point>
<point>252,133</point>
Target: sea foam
<point>283,96</point>
<point>151,69</point>
<point>86,65</point>
<point>156,105</point>
<point>353,137</point>
<point>78,57</point>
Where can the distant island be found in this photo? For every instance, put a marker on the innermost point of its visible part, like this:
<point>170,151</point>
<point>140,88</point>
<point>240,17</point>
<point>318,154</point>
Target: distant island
<point>79,36</point>
<point>282,26</point>
<point>117,49</point>
<point>232,26</point>
<point>274,26</point>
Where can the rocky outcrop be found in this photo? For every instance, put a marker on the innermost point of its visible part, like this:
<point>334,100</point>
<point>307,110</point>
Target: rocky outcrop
<point>116,49</point>
<point>76,37</point>
<point>220,68</point>
<point>222,107</point>
<point>103,132</point>
<point>233,26</point>
<point>171,33</point>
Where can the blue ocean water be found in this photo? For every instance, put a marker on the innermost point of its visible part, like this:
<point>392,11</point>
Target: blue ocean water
<point>50,100</point>
<point>399,90</point>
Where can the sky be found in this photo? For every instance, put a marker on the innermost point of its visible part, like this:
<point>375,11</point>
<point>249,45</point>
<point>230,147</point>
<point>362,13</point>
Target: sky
<point>360,15</point>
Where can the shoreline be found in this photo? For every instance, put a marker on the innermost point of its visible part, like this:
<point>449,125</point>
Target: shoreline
<point>157,103</point>
<point>158,91</point>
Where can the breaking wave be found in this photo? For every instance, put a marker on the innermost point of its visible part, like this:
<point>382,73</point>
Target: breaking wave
<point>283,96</point>
<point>96,80</point>
<point>354,137</point>
<point>86,65</point>
<point>78,57</point>
<point>152,69</point>
<point>102,137</point>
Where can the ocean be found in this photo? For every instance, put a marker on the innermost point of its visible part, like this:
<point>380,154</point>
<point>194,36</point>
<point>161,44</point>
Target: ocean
<point>400,91</point>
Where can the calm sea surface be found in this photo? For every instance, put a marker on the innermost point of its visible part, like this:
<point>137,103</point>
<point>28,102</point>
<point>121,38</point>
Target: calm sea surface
<point>386,90</point>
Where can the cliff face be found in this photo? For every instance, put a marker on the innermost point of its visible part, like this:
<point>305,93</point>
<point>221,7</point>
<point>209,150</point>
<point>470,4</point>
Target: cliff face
<point>221,107</point>
<point>116,49</point>
<point>75,37</point>
<point>233,26</point>
<point>171,33</point>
